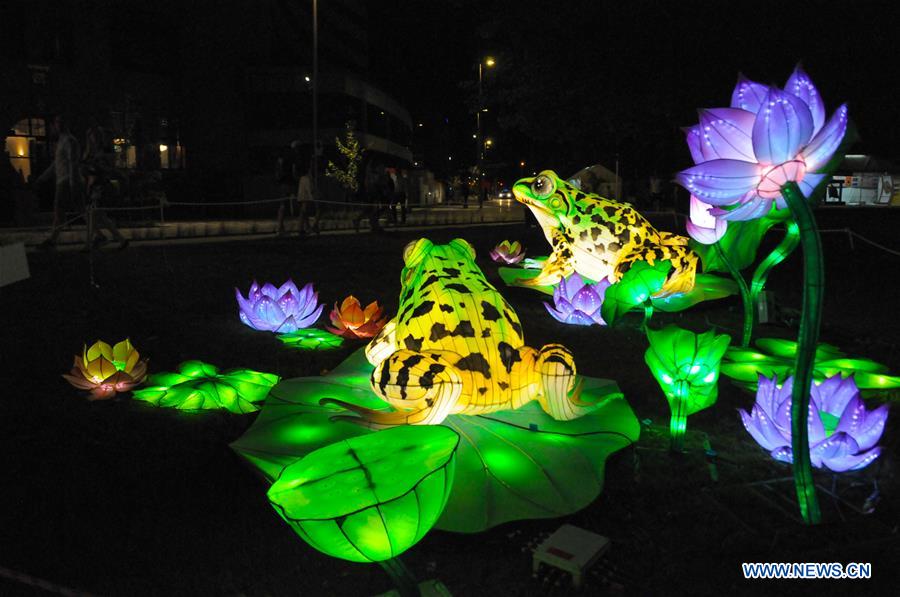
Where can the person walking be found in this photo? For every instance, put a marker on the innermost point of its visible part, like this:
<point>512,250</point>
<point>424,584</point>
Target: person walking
<point>66,171</point>
<point>305,202</point>
<point>98,169</point>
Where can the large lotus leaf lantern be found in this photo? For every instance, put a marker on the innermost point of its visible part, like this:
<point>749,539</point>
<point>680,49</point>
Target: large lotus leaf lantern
<point>372,497</point>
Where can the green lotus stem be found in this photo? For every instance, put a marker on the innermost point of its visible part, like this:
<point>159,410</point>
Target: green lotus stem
<point>787,246</point>
<point>648,313</point>
<point>402,578</point>
<point>678,422</point>
<point>746,298</point>
<point>810,321</point>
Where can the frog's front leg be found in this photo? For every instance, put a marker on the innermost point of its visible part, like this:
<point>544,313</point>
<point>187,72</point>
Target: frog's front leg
<point>558,394</point>
<point>422,387</point>
<point>559,265</point>
<point>383,345</point>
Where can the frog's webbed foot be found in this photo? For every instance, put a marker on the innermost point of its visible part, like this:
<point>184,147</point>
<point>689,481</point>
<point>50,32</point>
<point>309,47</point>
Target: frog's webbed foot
<point>560,396</point>
<point>383,344</point>
<point>559,265</point>
<point>423,388</point>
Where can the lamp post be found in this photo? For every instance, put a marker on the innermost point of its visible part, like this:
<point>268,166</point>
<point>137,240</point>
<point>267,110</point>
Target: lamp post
<point>479,148</point>
<point>315,101</point>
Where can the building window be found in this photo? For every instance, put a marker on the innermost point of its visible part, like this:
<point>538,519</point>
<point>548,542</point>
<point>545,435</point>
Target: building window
<point>26,145</point>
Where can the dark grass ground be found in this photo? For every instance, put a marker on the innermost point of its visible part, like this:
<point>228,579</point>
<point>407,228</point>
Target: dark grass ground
<point>124,499</point>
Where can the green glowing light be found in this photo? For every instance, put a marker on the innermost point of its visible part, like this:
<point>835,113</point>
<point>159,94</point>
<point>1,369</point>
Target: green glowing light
<point>633,289</point>
<point>686,366</point>
<point>776,357</point>
<point>510,465</point>
<point>200,386</point>
<point>369,498</point>
<point>311,339</point>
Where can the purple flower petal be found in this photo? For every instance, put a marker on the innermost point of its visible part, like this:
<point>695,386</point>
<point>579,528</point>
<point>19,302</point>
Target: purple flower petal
<point>288,286</point>
<point>820,149</point>
<point>269,290</point>
<point>870,428</point>
<point>748,95</point>
<point>832,451</point>
<point>308,320</point>
<point>807,186</point>
<point>751,207</point>
<point>783,454</point>
<point>561,313</point>
<point>852,462</point>
<point>727,134</point>
<point>783,125</point>
<point>801,85</point>
<point>760,426</point>
<point>694,141</point>
<point>719,182</point>
<point>267,310</point>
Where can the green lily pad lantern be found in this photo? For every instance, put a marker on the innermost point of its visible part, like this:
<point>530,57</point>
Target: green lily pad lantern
<point>372,497</point>
<point>200,386</point>
<point>311,339</point>
<point>686,366</point>
<point>776,357</point>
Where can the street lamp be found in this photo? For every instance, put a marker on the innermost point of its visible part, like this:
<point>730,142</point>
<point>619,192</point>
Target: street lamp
<point>479,146</point>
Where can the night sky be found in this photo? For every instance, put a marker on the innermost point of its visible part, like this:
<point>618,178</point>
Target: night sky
<point>579,82</point>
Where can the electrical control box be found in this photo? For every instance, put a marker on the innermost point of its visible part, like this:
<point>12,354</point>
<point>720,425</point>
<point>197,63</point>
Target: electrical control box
<point>571,549</point>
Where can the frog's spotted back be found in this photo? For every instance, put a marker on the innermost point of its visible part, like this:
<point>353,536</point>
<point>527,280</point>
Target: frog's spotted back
<point>456,347</point>
<point>600,238</point>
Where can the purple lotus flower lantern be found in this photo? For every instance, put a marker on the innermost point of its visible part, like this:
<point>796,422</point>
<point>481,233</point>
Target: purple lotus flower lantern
<point>577,302</point>
<point>842,432</point>
<point>745,153</point>
<point>508,253</point>
<point>282,310</point>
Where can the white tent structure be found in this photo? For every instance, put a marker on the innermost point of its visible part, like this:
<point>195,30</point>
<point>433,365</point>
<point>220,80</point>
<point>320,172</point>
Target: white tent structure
<point>599,180</point>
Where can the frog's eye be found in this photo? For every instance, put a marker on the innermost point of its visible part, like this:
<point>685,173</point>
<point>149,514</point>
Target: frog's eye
<point>543,186</point>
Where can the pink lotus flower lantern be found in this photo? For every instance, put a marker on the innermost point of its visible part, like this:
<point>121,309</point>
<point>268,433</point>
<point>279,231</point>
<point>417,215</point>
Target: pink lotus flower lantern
<point>842,432</point>
<point>508,252</point>
<point>745,153</point>
<point>577,302</point>
<point>282,310</point>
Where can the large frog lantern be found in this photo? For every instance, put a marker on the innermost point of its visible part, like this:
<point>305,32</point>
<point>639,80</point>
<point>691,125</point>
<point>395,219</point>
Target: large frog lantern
<point>600,238</point>
<point>456,347</point>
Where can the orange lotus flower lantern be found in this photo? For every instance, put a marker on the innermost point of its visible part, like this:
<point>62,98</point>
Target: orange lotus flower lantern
<point>105,370</point>
<point>350,320</point>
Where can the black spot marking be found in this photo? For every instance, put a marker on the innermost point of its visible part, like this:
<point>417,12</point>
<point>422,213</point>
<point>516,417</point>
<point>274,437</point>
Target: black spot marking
<point>423,308</point>
<point>452,271</point>
<point>610,210</point>
<point>508,355</point>
<point>460,288</point>
<point>502,385</point>
<point>489,311</point>
<point>613,247</point>
<point>429,281</point>
<point>486,333</point>
<point>595,234</point>
<point>598,219</point>
<point>555,358</point>
<point>475,362</point>
<point>464,330</point>
<point>482,391</point>
<point>427,379</point>
<point>576,220</point>
<point>446,308</point>
<point>516,326</point>
<point>385,378</point>
<point>413,344</point>
<point>584,234</point>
